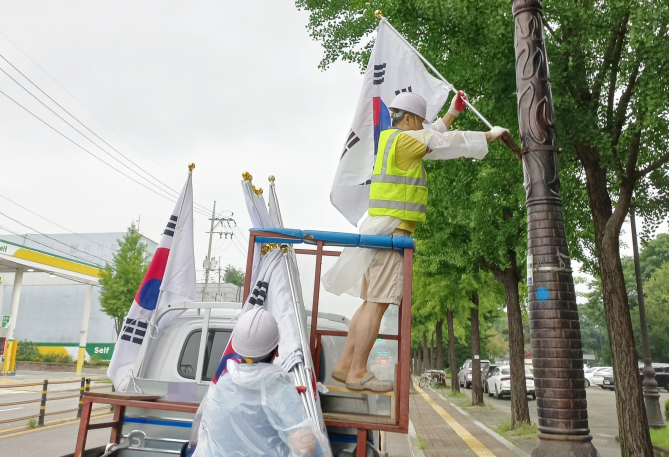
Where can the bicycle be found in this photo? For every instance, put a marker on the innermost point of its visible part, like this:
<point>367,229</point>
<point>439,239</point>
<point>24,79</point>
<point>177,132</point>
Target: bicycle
<point>432,378</point>
<point>425,380</point>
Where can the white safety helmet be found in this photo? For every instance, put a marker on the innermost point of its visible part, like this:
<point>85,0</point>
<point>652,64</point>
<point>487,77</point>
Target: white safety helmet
<point>256,334</point>
<point>411,103</point>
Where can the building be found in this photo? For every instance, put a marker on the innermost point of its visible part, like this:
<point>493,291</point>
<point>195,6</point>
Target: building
<point>51,306</point>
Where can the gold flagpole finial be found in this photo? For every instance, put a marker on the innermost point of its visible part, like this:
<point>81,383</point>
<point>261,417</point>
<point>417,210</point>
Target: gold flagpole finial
<point>246,176</point>
<point>378,14</point>
<point>271,178</point>
<point>191,166</point>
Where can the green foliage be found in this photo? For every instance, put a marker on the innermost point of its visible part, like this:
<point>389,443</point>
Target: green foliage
<point>120,281</point>
<point>521,431</point>
<point>27,352</point>
<point>660,437</point>
<point>32,423</point>
<point>52,357</point>
<point>421,443</point>
<point>666,410</point>
<point>657,305</point>
<point>234,275</point>
<point>96,361</point>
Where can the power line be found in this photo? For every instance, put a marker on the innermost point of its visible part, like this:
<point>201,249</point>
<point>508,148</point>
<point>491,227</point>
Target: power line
<point>89,110</point>
<point>57,241</point>
<point>57,225</point>
<point>82,134</point>
<point>51,247</point>
<point>93,155</point>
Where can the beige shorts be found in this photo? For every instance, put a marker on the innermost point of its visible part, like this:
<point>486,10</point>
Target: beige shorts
<point>383,280</point>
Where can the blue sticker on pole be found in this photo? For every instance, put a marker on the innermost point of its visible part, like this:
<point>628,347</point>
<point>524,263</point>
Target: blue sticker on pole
<point>542,294</point>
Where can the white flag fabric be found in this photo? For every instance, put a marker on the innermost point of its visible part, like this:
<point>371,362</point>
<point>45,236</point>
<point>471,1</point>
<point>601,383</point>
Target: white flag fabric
<point>393,68</point>
<point>172,271</point>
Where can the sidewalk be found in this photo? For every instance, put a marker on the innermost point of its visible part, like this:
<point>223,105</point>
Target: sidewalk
<point>446,432</point>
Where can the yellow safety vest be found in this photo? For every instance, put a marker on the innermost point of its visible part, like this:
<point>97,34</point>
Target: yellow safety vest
<point>395,192</point>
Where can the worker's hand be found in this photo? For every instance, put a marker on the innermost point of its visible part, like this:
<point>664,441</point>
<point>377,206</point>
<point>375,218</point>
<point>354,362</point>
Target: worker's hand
<point>302,442</point>
<point>495,133</point>
<point>458,104</point>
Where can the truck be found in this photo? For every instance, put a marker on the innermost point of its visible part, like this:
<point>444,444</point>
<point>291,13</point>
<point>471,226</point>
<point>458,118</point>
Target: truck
<point>153,433</point>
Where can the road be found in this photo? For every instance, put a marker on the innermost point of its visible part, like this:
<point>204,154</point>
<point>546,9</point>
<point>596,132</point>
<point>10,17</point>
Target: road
<point>58,437</point>
<point>602,416</point>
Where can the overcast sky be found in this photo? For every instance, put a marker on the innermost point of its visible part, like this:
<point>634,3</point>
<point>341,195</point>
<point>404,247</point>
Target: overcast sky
<point>231,86</point>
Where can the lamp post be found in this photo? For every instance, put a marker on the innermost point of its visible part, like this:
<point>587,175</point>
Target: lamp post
<point>555,335</point>
<point>651,395</point>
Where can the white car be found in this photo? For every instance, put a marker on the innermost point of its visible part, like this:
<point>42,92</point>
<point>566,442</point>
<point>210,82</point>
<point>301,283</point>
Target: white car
<point>595,376</point>
<point>500,382</point>
<point>465,374</point>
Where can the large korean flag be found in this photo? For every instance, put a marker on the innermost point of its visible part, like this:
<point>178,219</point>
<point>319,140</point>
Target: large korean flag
<point>393,68</point>
<point>172,271</point>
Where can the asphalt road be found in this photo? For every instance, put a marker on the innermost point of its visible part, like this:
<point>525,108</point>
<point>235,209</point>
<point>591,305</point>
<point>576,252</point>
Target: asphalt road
<point>58,437</point>
<point>602,416</point>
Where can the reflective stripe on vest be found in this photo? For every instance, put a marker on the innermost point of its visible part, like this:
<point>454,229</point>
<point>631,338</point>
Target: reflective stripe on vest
<point>395,192</point>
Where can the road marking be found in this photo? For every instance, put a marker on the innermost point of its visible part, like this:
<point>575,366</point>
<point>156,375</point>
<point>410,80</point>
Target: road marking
<point>462,432</point>
<point>10,409</point>
<point>50,426</point>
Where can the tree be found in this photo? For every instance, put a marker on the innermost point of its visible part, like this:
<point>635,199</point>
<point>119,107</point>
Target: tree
<point>611,97</point>
<point>657,307</point>
<point>234,275</point>
<point>120,281</point>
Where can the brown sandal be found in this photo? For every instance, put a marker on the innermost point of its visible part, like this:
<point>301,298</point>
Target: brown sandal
<point>371,382</point>
<point>339,376</point>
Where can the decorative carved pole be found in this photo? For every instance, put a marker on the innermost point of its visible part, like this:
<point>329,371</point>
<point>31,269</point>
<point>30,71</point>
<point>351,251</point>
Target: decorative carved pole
<point>651,395</point>
<point>555,334</point>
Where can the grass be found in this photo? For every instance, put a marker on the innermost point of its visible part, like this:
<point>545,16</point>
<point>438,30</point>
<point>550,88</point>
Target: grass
<point>421,443</point>
<point>660,437</point>
<point>457,395</point>
<point>32,423</point>
<point>524,431</point>
<point>483,407</point>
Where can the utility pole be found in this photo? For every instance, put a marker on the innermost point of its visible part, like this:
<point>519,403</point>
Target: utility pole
<point>651,394</point>
<point>555,336</point>
<point>207,262</point>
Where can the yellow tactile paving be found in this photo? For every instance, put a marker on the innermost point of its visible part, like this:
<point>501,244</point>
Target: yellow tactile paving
<point>462,432</point>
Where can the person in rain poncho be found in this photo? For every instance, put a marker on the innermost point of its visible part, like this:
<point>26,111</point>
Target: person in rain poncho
<point>397,202</point>
<point>255,409</point>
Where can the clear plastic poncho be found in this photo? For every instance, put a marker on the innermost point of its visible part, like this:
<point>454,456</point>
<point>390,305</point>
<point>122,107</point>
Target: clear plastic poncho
<point>256,410</point>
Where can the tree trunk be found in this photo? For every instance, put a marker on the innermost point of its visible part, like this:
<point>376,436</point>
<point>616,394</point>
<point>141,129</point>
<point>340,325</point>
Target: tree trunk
<point>426,353</point>
<point>632,419</point>
<point>477,385</point>
<point>455,385</point>
<point>419,359</point>
<point>440,344</point>
<point>510,278</point>
<point>433,353</point>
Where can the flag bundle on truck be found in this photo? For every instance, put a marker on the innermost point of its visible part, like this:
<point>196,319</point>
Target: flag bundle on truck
<point>393,68</point>
<point>170,278</point>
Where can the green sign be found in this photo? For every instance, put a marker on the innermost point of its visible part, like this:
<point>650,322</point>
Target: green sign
<point>102,350</point>
<point>5,321</point>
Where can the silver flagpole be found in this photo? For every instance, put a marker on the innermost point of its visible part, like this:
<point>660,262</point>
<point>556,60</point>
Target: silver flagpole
<point>426,62</point>
<point>147,341</point>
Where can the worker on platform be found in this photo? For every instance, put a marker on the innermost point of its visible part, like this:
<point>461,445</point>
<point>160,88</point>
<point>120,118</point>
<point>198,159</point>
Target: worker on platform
<point>397,203</point>
<point>255,409</point>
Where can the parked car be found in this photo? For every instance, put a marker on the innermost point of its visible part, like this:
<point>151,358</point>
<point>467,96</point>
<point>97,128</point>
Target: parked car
<point>609,382</point>
<point>596,377</point>
<point>465,374</point>
<point>499,382</point>
<point>485,375</point>
<point>661,374</point>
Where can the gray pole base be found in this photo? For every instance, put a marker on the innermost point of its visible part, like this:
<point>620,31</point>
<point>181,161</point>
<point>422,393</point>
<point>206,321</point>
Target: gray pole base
<point>653,411</point>
<point>567,445</point>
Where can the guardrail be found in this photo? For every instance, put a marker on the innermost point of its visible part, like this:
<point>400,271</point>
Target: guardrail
<point>85,386</point>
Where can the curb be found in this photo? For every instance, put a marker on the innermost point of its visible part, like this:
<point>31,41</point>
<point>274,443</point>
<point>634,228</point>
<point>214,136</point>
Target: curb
<point>413,442</point>
<point>504,441</point>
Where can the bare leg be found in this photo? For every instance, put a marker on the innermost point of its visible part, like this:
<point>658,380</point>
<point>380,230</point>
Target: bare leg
<point>366,332</point>
<point>344,364</point>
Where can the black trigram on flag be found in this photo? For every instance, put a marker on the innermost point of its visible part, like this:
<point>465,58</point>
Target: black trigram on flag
<point>134,330</point>
<point>379,71</point>
<point>408,89</point>
<point>259,294</point>
<point>350,142</point>
<point>171,226</point>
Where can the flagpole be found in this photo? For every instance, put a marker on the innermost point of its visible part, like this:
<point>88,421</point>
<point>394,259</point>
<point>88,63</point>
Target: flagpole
<point>145,343</point>
<point>506,138</point>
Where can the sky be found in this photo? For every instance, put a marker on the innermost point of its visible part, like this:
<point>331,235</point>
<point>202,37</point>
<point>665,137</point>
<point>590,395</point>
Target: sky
<point>230,86</point>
